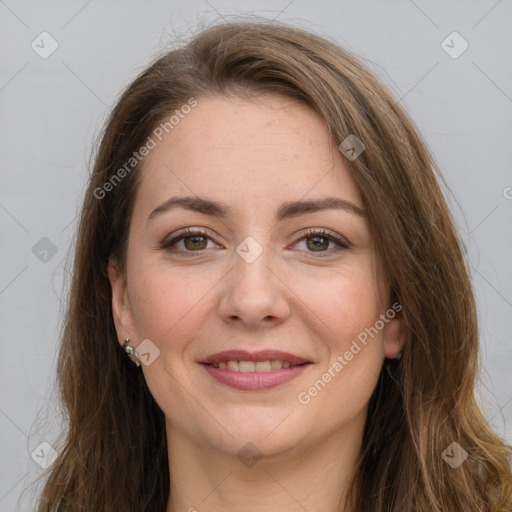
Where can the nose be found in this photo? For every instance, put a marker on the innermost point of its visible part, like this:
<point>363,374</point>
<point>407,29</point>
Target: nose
<point>254,294</point>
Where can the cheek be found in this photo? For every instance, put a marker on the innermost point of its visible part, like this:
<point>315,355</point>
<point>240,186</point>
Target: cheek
<point>344,303</point>
<point>165,300</point>
<point>347,308</point>
<point>352,349</point>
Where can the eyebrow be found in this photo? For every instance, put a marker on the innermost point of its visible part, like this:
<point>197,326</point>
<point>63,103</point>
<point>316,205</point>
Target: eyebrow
<point>285,211</point>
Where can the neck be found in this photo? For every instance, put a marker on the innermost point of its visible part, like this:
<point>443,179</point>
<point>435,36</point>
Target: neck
<point>314,477</point>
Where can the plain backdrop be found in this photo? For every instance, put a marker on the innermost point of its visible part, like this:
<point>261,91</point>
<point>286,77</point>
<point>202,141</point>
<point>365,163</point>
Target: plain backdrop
<point>52,109</point>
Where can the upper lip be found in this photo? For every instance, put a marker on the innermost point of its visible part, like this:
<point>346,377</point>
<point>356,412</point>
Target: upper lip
<point>261,355</point>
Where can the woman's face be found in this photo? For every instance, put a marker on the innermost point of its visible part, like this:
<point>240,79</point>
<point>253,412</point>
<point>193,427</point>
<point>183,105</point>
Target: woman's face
<point>257,278</point>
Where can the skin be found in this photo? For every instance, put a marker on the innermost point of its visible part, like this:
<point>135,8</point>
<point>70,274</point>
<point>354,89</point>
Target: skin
<point>254,154</point>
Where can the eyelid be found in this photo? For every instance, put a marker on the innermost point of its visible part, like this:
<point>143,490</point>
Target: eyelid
<point>340,241</point>
<point>183,233</point>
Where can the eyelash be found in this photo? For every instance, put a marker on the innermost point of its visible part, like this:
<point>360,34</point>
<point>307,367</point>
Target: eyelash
<point>310,233</point>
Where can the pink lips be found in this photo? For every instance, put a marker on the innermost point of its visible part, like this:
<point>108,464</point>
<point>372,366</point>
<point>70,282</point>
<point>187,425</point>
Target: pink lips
<point>262,355</point>
<point>254,381</point>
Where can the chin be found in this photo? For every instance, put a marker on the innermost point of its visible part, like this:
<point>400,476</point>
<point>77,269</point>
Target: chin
<point>270,435</point>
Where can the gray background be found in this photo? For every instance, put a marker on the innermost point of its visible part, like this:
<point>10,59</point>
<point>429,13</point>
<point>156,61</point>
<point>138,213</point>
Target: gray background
<point>52,109</point>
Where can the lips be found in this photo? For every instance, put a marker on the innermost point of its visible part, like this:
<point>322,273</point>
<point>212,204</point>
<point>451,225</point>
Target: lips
<point>260,356</point>
<point>256,371</point>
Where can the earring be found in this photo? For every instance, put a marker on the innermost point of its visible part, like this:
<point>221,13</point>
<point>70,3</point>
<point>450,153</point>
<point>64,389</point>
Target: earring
<point>130,350</point>
<point>399,356</point>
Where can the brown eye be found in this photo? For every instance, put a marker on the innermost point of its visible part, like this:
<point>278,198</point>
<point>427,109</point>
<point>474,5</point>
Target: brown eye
<point>195,242</point>
<point>318,242</point>
<point>187,241</point>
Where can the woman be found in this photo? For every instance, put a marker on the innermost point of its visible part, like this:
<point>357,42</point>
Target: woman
<point>269,307</point>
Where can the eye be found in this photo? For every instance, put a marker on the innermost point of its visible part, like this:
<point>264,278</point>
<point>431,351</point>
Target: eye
<point>318,240</point>
<point>194,240</point>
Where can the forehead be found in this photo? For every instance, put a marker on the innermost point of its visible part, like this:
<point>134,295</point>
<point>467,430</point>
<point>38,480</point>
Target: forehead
<point>247,152</point>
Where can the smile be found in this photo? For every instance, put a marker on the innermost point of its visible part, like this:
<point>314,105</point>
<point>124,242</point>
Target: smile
<point>254,371</point>
<point>253,366</point>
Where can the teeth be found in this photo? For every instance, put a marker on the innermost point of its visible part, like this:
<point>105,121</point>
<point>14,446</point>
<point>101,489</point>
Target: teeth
<point>252,366</point>
<point>263,366</point>
<point>246,366</point>
<point>233,365</point>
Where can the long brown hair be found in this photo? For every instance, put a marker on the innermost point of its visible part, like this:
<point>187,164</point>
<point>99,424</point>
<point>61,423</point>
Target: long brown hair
<point>114,454</point>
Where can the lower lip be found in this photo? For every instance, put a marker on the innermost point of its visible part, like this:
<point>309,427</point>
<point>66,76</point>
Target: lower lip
<point>254,381</point>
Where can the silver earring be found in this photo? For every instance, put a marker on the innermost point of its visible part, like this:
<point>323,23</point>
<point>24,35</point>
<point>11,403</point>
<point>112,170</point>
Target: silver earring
<point>399,356</point>
<point>130,350</point>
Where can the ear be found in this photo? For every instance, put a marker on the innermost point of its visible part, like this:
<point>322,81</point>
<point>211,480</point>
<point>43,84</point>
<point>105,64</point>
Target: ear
<point>121,307</point>
<point>395,335</point>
